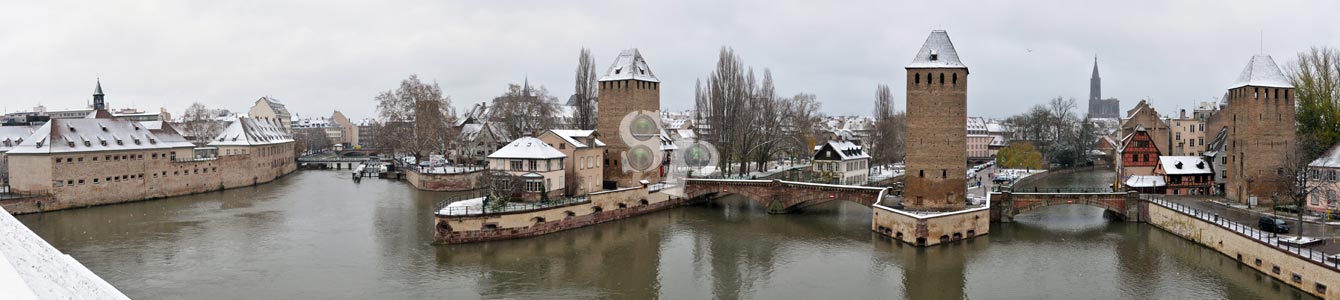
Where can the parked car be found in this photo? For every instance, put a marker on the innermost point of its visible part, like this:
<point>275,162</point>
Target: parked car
<point>1273,224</point>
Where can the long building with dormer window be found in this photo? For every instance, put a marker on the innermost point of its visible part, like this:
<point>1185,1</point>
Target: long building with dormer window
<point>103,159</point>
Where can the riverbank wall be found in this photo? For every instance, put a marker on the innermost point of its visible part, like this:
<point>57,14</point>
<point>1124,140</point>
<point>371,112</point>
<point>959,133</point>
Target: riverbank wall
<point>148,179</point>
<point>1298,268</point>
<point>452,182</point>
<point>601,207</point>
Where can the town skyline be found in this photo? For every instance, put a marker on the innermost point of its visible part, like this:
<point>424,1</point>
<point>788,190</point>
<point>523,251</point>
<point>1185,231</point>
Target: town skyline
<point>319,64</point>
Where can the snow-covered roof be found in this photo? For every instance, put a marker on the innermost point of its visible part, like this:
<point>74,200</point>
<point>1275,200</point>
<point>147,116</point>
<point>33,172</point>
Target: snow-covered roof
<point>846,150</point>
<point>252,132</point>
<point>569,135</point>
<point>30,268</point>
<point>629,65</point>
<point>1184,165</point>
<point>87,135</point>
<point>1145,181</point>
<point>1262,71</point>
<point>11,136</point>
<point>527,148</point>
<point>937,52</point>
<point>1331,159</point>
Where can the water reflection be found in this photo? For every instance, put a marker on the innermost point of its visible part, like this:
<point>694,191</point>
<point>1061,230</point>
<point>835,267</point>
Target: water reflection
<point>316,234</point>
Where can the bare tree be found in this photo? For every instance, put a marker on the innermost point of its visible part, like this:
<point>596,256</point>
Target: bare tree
<point>886,145</point>
<point>524,110</point>
<point>585,91</point>
<point>199,124</point>
<point>400,112</point>
<point>1298,178</point>
<point>310,139</point>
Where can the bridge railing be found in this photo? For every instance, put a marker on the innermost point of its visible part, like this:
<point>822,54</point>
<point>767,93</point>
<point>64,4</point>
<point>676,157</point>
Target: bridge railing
<point>1061,190</point>
<point>1267,238</point>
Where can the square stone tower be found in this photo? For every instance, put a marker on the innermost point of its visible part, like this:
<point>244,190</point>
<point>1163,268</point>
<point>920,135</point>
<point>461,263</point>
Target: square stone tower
<point>937,101</point>
<point>1259,121</point>
<point>629,86</point>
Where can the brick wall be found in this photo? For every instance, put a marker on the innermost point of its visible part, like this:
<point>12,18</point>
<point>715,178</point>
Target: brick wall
<point>144,174</point>
<point>491,227</point>
<point>936,132</point>
<point>618,98</point>
<point>444,182</point>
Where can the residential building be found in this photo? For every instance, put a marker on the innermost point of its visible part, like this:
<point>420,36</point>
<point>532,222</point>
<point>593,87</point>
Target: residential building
<point>979,141</point>
<point>539,167</point>
<point>273,110</point>
<point>583,170</point>
<point>1218,158</point>
<point>1139,153</point>
<point>937,101</point>
<point>348,132</point>
<point>1144,115</point>
<point>1188,135</point>
<point>628,87</point>
<point>11,136</point>
<point>1259,118</point>
<point>999,137</point>
<point>478,137</point>
<point>841,162</point>
<point>1185,175</point>
<point>1324,179</point>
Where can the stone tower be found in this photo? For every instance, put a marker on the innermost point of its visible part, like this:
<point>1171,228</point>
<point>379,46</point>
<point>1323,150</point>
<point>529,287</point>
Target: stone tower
<point>628,86</point>
<point>1259,120</point>
<point>98,103</point>
<point>937,100</point>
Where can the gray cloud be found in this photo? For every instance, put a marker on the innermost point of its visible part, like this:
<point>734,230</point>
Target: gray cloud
<point>320,56</point>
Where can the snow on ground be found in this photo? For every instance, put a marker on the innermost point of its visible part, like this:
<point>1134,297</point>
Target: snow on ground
<point>30,268</point>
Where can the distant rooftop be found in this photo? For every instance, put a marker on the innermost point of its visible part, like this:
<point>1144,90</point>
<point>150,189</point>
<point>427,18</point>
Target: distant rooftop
<point>1261,71</point>
<point>937,52</point>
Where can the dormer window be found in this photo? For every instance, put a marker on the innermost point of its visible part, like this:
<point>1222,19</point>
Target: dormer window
<point>935,55</point>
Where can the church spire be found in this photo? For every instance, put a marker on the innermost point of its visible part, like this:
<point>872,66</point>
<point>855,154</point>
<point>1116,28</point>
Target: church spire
<point>1095,66</point>
<point>98,103</point>
<point>1095,83</point>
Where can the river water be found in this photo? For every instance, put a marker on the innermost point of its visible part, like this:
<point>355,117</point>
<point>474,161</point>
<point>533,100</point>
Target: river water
<point>318,235</point>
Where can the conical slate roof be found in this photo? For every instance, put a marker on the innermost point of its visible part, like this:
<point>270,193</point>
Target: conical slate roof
<point>937,52</point>
<point>629,65</point>
<point>97,91</point>
<point>1262,72</point>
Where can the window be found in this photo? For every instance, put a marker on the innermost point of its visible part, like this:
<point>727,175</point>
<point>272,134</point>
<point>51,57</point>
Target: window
<point>534,186</point>
<point>918,79</point>
<point>516,164</point>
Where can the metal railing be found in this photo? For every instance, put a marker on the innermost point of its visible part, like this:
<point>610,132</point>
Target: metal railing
<point>1062,190</point>
<point>511,206</point>
<point>1267,238</point>
<point>455,169</point>
<point>6,193</point>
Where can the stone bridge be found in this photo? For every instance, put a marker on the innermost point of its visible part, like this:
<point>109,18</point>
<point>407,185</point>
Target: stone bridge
<point>782,196</point>
<point>1125,206</point>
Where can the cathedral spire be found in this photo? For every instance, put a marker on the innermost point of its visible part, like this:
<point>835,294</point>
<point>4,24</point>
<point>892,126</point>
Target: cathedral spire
<point>1095,83</point>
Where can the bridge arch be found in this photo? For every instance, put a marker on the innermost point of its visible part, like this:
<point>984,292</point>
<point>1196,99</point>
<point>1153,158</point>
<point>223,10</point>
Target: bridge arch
<point>1006,205</point>
<point>783,196</point>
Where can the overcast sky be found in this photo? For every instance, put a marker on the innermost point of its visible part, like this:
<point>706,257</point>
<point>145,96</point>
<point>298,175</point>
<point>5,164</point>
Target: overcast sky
<point>320,56</point>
